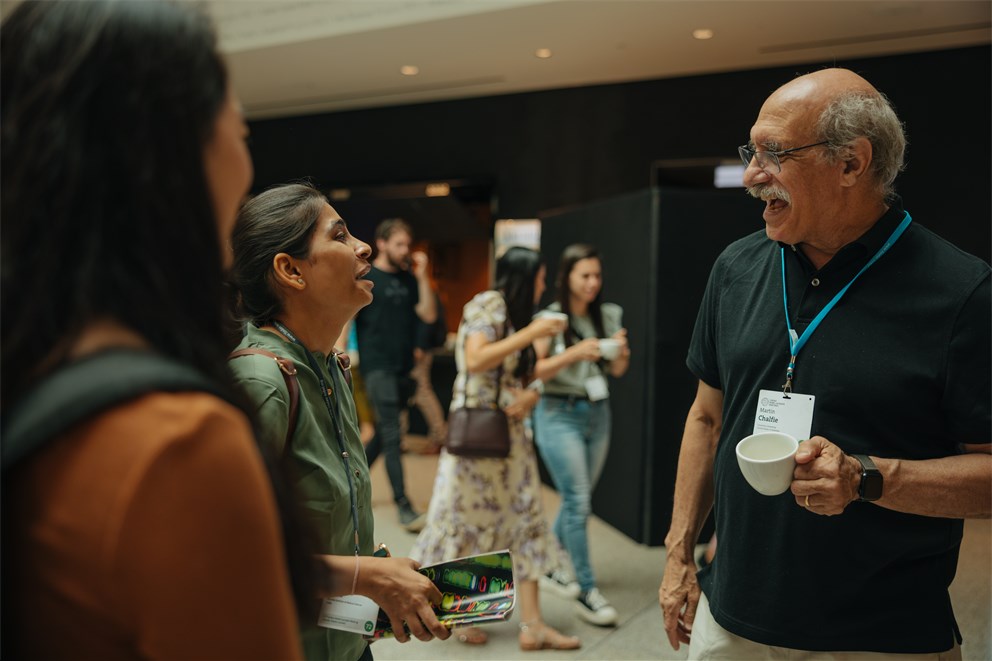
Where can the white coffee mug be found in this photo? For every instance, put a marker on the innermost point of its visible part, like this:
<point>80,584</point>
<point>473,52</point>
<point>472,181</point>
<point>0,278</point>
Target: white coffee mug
<point>609,348</point>
<point>767,461</point>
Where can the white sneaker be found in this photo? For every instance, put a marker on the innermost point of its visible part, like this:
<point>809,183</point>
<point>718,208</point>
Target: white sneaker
<point>561,583</point>
<point>595,609</point>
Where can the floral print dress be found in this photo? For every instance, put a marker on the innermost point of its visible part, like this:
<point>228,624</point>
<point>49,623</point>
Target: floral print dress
<point>482,505</point>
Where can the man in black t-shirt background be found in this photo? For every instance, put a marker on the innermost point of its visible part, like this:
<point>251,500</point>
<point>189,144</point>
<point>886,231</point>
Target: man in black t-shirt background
<point>386,331</point>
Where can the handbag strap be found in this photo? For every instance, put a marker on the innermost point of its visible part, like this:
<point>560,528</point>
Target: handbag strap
<point>288,371</point>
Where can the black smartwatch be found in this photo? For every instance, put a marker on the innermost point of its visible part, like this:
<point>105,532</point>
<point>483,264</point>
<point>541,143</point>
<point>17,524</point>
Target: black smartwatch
<point>871,479</point>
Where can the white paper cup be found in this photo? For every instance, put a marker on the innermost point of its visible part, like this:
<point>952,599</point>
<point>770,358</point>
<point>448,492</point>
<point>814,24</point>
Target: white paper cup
<point>548,314</point>
<point>609,348</point>
<point>767,461</point>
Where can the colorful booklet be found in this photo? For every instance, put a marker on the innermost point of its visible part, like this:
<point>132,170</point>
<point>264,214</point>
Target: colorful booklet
<point>474,590</point>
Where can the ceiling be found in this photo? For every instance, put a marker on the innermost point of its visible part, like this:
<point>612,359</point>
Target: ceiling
<point>294,57</point>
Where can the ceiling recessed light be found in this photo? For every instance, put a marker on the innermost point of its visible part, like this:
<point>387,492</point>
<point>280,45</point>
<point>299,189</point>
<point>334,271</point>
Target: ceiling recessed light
<point>438,190</point>
<point>702,33</point>
<point>543,53</point>
<point>409,70</point>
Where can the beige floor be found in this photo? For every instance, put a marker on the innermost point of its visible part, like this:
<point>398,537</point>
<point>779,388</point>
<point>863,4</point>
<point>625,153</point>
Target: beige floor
<point>628,574</point>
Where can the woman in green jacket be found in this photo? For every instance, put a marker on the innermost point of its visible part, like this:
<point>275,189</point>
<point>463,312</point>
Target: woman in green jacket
<point>300,276</point>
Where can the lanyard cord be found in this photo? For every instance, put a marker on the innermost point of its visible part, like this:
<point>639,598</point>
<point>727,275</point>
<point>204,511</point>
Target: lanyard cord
<point>325,393</point>
<point>796,343</point>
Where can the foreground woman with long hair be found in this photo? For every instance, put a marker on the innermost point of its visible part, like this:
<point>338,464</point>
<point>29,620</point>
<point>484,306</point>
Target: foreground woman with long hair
<point>149,529</point>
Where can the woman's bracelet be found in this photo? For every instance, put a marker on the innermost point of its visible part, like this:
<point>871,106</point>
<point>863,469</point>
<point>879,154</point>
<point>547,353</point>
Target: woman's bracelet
<point>354,581</point>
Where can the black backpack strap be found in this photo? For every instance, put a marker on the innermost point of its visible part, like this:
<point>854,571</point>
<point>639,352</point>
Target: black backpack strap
<point>288,370</point>
<point>88,386</point>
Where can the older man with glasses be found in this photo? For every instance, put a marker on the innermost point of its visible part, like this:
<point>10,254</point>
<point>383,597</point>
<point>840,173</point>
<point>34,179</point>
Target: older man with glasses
<point>869,336</point>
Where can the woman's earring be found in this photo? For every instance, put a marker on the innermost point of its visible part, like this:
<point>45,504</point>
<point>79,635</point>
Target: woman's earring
<point>300,280</point>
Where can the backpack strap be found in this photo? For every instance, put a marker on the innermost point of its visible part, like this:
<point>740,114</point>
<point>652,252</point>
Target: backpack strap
<point>288,370</point>
<point>344,364</point>
<point>88,386</point>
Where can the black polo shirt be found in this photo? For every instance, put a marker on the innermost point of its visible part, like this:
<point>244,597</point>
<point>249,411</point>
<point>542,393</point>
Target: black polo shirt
<point>899,368</point>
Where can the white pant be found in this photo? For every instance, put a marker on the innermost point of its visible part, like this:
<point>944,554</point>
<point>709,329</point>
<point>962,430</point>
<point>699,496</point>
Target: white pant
<point>711,641</point>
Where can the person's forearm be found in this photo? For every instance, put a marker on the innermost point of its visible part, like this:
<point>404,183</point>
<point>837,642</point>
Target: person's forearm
<point>342,568</point>
<point>490,355</point>
<point>958,487</point>
<point>547,368</point>
<point>426,307</point>
<point>618,367</point>
<point>693,483</point>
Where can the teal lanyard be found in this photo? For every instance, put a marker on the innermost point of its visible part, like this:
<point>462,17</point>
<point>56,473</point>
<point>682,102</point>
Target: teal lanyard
<point>325,392</point>
<point>796,343</point>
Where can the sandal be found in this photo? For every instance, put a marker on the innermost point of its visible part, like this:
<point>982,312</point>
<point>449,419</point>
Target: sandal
<point>472,636</point>
<point>538,636</point>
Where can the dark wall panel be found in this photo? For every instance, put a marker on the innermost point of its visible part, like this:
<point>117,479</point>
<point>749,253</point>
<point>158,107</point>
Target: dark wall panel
<point>587,153</point>
<point>554,149</point>
<point>657,247</point>
<point>693,229</point>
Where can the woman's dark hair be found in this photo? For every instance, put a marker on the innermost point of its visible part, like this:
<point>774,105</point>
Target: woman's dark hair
<point>107,214</point>
<point>516,271</point>
<point>569,257</point>
<point>105,111</point>
<point>280,219</point>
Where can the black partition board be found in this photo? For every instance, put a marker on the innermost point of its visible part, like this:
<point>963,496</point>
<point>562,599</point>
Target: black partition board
<point>618,227</point>
<point>694,228</point>
<point>657,247</point>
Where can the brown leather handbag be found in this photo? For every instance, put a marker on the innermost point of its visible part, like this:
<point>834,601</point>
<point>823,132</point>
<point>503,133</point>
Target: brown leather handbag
<point>479,432</point>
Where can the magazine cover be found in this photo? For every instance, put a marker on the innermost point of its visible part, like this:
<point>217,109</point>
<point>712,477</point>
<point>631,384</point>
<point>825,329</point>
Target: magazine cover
<point>474,590</point>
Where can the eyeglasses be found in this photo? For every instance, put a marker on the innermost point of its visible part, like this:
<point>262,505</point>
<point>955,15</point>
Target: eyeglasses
<point>770,158</point>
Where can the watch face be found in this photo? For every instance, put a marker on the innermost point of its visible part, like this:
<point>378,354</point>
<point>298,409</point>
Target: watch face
<point>871,485</point>
<point>871,479</point>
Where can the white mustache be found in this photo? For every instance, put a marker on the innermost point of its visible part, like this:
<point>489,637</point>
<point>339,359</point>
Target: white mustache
<point>768,192</point>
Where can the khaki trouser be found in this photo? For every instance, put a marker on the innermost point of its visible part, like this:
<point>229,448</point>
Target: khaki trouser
<point>711,641</point>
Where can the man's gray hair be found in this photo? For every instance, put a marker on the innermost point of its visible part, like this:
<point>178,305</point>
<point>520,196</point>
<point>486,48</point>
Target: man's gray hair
<point>858,114</point>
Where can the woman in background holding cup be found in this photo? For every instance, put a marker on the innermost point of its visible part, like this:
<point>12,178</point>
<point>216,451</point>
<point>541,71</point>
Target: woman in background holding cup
<point>572,420</point>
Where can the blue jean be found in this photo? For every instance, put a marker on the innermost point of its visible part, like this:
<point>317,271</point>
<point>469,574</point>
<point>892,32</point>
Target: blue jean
<point>573,437</point>
<point>388,393</point>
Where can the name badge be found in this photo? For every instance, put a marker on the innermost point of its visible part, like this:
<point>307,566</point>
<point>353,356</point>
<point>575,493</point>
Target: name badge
<point>790,413</point>
<point>596,388</point>
<point>353,613</point>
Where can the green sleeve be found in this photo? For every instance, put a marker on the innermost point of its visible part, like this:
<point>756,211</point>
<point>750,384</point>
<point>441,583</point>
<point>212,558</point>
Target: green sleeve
<point>262,381</point>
